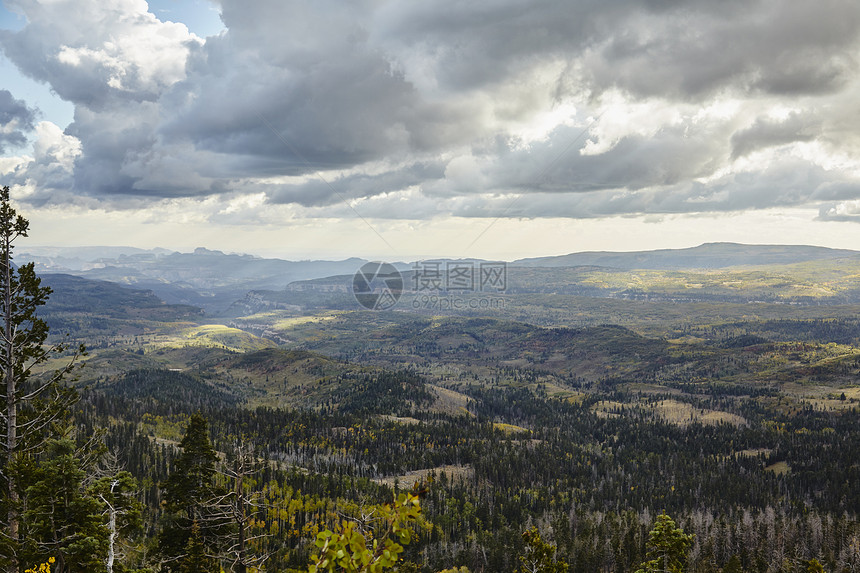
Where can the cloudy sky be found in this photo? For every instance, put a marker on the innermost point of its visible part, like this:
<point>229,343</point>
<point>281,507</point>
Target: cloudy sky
<point>399,129</point>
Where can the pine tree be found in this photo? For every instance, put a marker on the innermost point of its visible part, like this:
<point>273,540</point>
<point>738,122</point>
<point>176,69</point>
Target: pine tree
<point>195,559</point>
<point>28,406</point>
<point>61,519</point>
<point>733,565</point>
<point>668,547</point>
<point>192,499</point>
<point>191,482</point>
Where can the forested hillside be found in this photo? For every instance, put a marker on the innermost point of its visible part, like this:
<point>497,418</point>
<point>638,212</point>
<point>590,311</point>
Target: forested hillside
<point>778,486</point>
<point>570,436</point>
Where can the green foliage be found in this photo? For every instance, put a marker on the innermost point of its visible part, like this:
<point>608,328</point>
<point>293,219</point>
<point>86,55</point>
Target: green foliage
<point>733,565</point>
<point>668,547</point>
<point>191,482</point>
<point>62,519</point>
<point>192,519</point>
<point>350,550</point>
<point>538,556</point>
<point>42,503</point>
<point>385,393</point>
<point>150,385</point>
<point>195,559</point>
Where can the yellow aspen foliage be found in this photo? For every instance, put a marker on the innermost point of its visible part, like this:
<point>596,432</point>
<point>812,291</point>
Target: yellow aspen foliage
<point>42,568</point>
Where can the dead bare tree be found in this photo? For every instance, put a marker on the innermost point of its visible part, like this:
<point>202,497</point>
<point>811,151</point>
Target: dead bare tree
<point>242,504</point>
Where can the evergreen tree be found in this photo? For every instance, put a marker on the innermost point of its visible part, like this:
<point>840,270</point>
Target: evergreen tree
<point>29,406</point>
<point>61,519</point>
<point>193,502</point>
<point>195,559</point>
<point>191,482</point>
<point>668,547</point>
<point>733,565</point>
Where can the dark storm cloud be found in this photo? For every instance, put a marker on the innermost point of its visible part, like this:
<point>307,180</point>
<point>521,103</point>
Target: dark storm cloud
<point>780,48</point>
<point>303,85</point>
<point>675,49</point>
<point>16,119</point>
<point>441,93</point>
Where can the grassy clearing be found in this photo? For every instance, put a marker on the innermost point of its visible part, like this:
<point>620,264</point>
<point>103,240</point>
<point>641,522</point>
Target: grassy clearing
<point>687,339</point>
<point>823,396</point>
<point>609,408</point>
<point>683,414</point>
<point>671,411</point>
<point>211,335</point>
<point>560,392</point>
<point>510,428</point>
<point>753,453</point>
<point>779,468</point>
<point>296,321</point>
<point>400,419</point>
<point>449,402</point>
<point>643,388</point>
<point>405,481</point>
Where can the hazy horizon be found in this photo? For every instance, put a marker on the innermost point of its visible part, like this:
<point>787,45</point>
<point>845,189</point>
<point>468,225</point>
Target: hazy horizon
<point>41,250</point>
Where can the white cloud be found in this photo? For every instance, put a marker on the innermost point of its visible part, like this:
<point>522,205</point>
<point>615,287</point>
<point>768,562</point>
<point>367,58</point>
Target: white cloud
<point>404,110</point>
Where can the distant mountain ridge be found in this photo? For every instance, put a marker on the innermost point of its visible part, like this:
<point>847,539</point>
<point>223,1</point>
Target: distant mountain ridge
<point>705,256</point>
<point>205,278</point>
<point>101,308</point>
<point>217,281</point>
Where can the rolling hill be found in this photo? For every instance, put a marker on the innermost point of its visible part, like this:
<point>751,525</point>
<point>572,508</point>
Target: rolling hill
<point>706,256</point>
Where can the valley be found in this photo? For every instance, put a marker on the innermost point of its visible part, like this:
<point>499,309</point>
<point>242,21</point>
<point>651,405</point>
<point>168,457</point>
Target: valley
<point>584,413</point>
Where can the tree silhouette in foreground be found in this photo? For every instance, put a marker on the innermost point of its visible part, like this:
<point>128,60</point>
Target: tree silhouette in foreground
<point>30,405</point>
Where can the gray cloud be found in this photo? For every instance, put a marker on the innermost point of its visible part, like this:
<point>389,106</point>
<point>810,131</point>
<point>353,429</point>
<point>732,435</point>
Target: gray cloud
<point>439,99</point>
<point>766,132</point>
<point>16,119</point>
<point>320,192</point>
<point>667,157</point>
<point>677,49</point>
<point>781,48</point>
<point>296,90</point>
